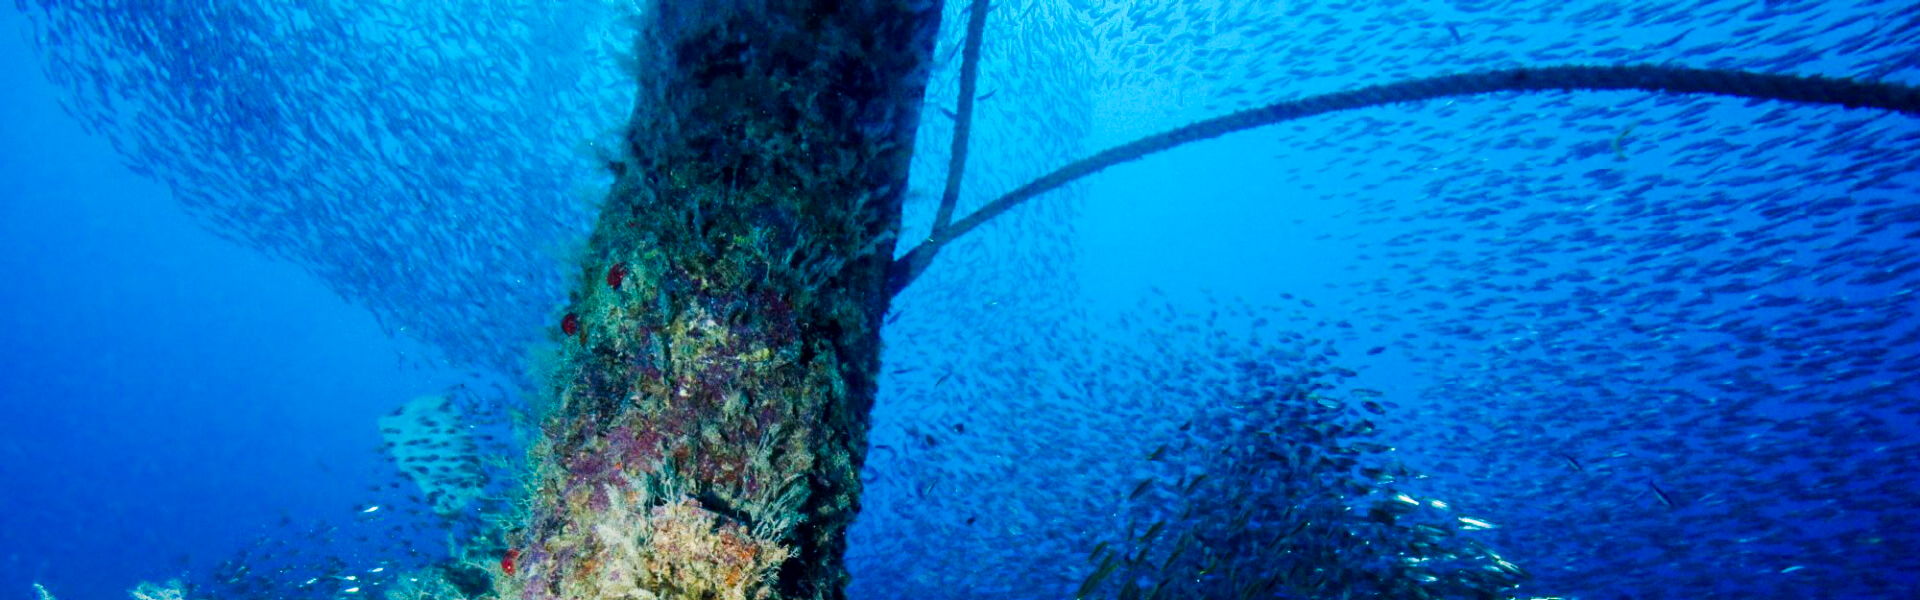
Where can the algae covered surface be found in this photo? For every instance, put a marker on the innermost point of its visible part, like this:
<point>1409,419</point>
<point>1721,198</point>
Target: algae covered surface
<point>720,358</point>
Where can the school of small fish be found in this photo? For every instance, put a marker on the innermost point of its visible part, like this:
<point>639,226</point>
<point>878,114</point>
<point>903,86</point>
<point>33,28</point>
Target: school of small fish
<point>1602,346</point>
<point>453,475</point>
<point>1622,345</point>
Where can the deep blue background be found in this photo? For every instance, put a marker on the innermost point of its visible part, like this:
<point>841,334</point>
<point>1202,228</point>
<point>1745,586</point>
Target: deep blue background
<point>163,392</point>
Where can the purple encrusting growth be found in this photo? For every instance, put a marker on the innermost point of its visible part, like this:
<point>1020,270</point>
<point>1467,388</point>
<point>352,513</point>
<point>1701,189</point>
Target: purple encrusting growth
<point>708,417</point>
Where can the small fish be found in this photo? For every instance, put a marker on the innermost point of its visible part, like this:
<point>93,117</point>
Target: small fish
<point>1620,141</point>
<point>1572,463</point>
<point>1662,495</point>
<point>1158,452</point>
<point>1178,550</point>
<point>1093,581</point>
<point>1139,489</point>
<point>1153,530</point>
<point>1192,485</point>
<point>1212,563</point>
<point>1296,530</point>
<point>1098,548</point>
<point>1475,524</point>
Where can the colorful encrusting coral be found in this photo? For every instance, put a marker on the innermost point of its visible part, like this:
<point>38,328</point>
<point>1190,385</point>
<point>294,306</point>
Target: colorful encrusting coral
<point>708,413</point>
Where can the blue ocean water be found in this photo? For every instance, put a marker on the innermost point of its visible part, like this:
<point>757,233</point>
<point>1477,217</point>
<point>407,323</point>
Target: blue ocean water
<point>1636,345</point>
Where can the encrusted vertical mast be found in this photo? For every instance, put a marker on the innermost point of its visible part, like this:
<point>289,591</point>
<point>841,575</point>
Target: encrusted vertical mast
<point>709,416</point>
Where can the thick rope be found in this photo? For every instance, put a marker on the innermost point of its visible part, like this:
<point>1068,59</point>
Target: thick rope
<point>1847,93</point>
<point>963,117</point>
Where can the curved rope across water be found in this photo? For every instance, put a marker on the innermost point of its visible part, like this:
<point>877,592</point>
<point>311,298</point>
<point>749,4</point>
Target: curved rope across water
<point>1847,93</point>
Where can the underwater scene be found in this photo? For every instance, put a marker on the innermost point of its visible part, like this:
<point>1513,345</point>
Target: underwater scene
<point>1021,299</point>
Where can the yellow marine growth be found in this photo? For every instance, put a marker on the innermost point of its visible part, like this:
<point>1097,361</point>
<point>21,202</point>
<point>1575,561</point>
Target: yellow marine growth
<point>730,563</point>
